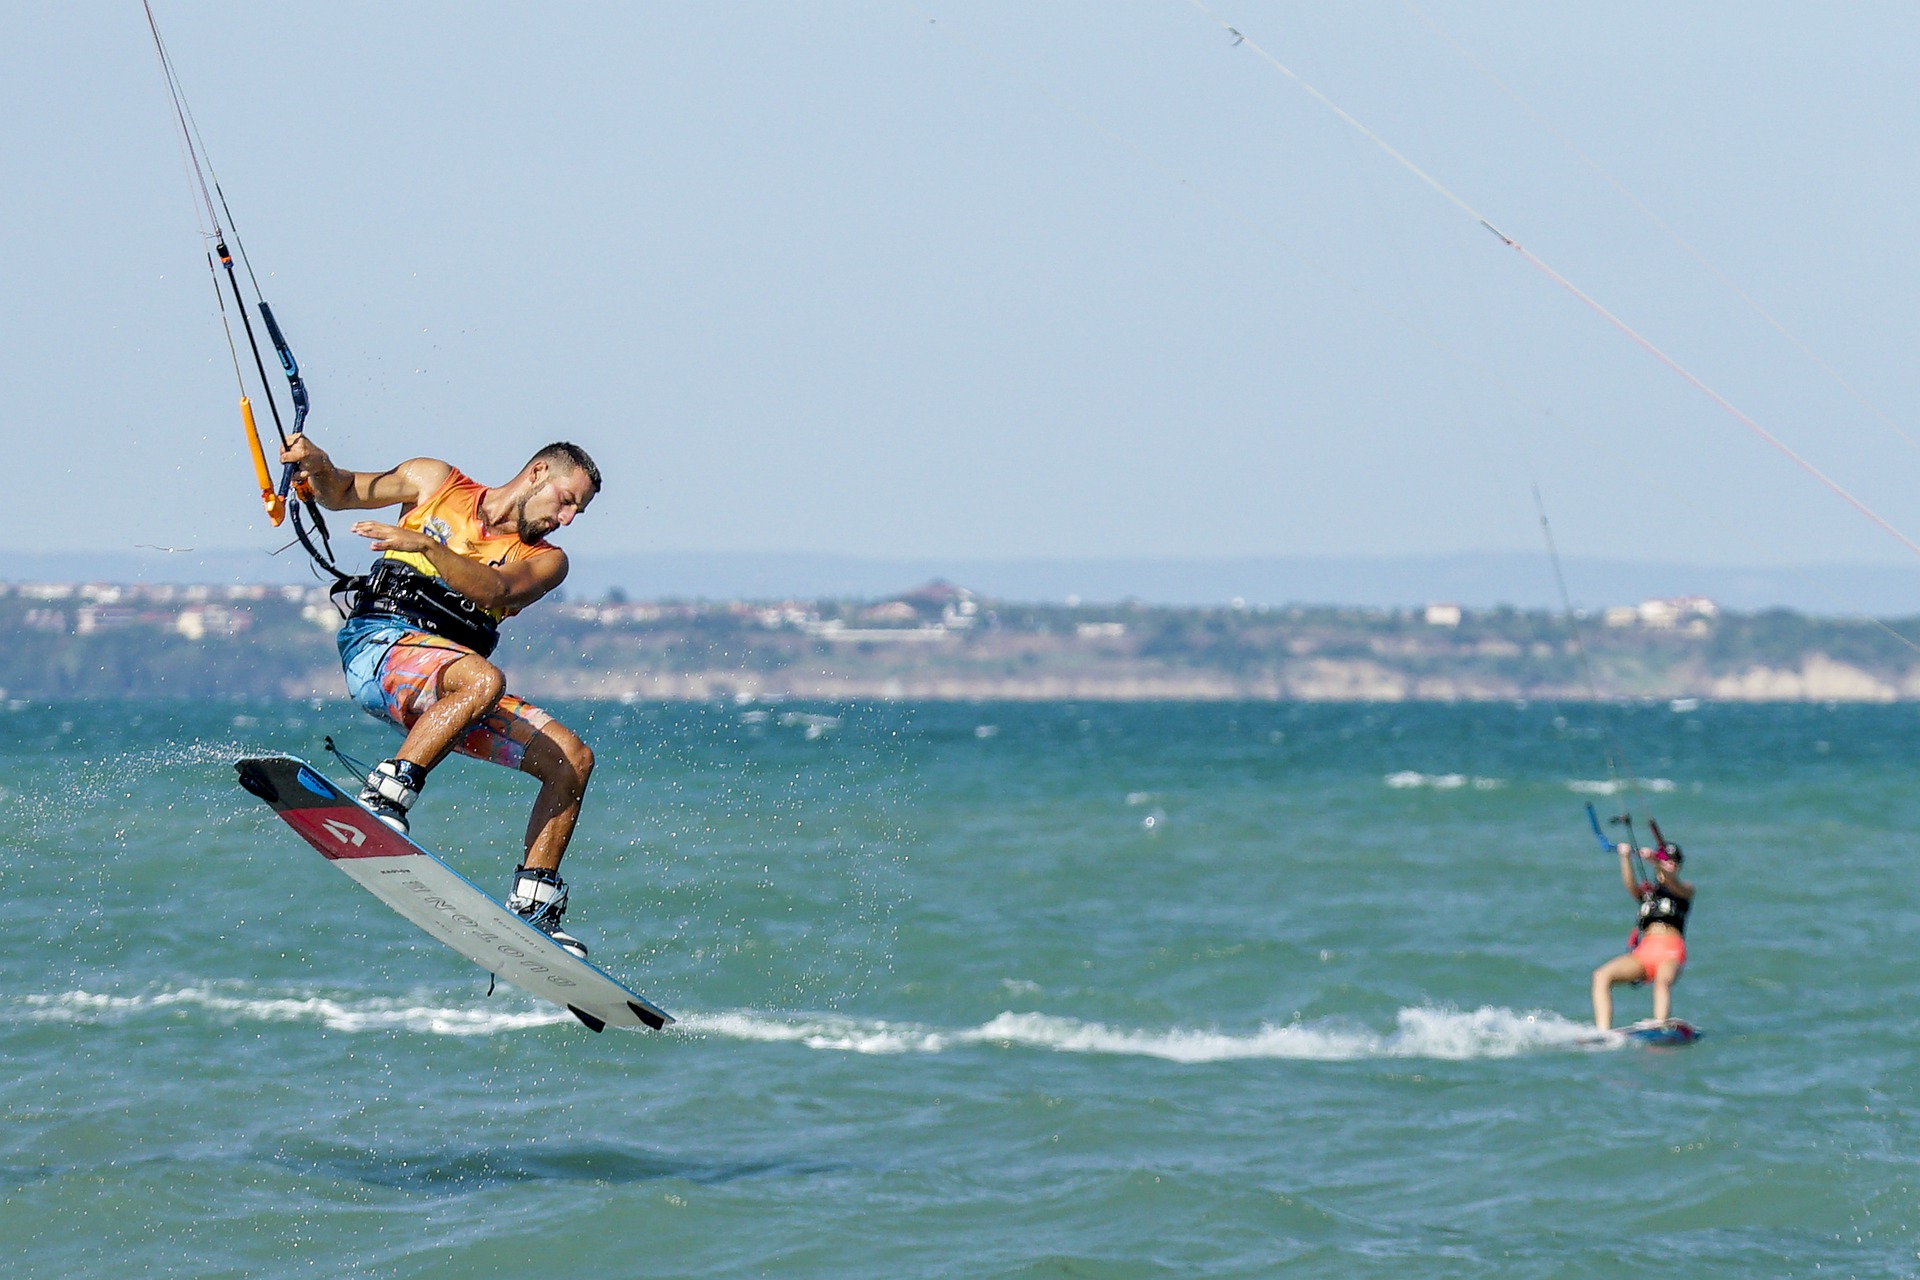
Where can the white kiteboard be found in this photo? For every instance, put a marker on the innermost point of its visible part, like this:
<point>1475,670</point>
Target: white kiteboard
<point>439,899</point>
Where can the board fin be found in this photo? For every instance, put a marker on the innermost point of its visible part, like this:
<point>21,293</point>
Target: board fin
<point>593,1023</point>
<point>647,1015</point>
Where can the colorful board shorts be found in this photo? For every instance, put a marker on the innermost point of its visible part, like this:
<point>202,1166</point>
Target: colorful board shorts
<point>393,672</point>
<point>1655,948</point>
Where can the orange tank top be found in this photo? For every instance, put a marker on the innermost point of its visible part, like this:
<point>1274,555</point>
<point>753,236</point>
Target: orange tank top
<point>451,516</point>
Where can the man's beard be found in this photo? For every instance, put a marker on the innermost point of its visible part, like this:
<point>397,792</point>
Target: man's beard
<point>534,531</point>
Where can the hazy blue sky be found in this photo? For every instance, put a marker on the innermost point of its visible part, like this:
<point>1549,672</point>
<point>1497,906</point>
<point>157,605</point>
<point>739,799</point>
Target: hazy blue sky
<point>983,280</point>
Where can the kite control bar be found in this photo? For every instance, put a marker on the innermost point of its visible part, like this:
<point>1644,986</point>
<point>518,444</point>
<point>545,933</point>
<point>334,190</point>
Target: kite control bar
<point>1633,841</point>
<point>1593,820</point>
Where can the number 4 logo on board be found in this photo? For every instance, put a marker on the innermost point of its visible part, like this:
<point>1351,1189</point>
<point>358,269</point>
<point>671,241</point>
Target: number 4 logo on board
<point>345,832</point>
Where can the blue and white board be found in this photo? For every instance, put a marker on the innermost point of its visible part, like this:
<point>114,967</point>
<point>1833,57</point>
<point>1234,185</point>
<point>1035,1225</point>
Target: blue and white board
<point>1655,1035</point>
<point>1671,1032</point>
<point>439,899</point>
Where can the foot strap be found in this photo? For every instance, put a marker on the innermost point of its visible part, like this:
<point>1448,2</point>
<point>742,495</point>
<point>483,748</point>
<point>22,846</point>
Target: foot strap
<point>538,893</point>
<point>398,782</point>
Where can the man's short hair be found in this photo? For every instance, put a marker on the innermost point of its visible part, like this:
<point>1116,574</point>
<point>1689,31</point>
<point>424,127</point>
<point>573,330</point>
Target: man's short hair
<point>571,454</point>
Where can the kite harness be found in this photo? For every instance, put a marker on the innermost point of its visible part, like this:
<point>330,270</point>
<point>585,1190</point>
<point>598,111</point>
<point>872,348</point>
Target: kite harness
<point>1657,906</point>
<point>392,589</point>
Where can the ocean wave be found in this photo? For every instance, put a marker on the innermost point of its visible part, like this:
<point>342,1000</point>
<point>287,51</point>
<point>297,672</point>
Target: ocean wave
<point>1441,781</point>
<point>1614,786</point>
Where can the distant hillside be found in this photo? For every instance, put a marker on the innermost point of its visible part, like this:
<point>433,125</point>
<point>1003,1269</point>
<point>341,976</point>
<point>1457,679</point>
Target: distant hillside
<point>1478,580</point>
<point>942,642</point>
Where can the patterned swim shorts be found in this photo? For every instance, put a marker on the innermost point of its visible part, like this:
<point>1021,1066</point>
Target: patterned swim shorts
<point>393,671</point>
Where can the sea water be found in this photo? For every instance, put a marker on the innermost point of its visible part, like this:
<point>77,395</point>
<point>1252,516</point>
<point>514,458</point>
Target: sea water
<point>976,990</point>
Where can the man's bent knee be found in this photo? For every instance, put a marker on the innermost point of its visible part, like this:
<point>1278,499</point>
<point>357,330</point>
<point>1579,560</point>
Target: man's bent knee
<point>568,762</point>
<point>579,758</point>
<point>475,675</point>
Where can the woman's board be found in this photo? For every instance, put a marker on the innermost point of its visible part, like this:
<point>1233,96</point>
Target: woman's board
<point>1670,1034</point>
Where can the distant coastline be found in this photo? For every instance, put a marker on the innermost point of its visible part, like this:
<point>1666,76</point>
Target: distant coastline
<point>943,643</point>
<point>1475,579</point>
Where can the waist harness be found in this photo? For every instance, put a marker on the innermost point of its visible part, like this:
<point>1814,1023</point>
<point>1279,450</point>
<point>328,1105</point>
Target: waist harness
<point>395,590</point>
<point>1657,906</point>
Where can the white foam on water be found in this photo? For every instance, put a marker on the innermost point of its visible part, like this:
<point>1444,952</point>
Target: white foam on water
<point>1426,1032</point>
<point>237,1004</point>
<point>1486,1032</point>
<point>1408,778</point>
<point>1419,1033</point>
<point>1612,787</point>
<point>820,1031</point>
<point>1069,1035</point>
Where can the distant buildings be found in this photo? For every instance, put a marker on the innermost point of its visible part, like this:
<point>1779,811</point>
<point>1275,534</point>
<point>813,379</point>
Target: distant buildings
<point>196,611</point>
<point>1692,614</point>
<point>929,613</point>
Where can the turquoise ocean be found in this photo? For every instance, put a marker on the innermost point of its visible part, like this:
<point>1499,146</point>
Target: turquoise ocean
<point>976,990</point>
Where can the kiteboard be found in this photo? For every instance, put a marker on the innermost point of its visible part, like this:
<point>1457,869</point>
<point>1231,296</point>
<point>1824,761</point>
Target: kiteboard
<point>1670,1034</point>
<point>439,899</point>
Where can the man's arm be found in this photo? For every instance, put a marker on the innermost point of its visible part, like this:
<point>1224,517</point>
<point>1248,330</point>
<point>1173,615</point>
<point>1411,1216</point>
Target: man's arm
<point>338,489</point>
<point>507,586</point>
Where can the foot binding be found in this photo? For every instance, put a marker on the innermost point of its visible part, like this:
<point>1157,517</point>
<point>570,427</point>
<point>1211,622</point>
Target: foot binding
<point>391,789</point>
<point>540,898</point>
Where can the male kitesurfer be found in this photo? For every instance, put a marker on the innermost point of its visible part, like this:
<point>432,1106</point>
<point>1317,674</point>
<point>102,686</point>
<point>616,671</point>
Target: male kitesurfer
<point>426,617</point>
<point>1657,951</point>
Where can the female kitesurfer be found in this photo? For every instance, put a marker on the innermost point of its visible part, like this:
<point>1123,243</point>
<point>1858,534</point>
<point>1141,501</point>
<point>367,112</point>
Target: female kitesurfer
<point>1658,948</point>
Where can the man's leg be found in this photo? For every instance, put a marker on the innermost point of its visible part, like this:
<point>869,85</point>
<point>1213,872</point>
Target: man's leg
<point>513,732</point>
<point>519,735</point>
<point>439,691</point>
<point>468,690</point>
<point>563,764</point>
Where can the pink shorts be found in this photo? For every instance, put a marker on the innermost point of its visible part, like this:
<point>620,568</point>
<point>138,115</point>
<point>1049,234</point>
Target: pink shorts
<point>408,683</point>
<point>1657,948</point>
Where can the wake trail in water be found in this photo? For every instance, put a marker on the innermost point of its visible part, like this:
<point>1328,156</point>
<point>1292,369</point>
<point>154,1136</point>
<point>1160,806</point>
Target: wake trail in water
<point>236,1002</point>
<point>1422,1032</point>
<point>1418,1033</point>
